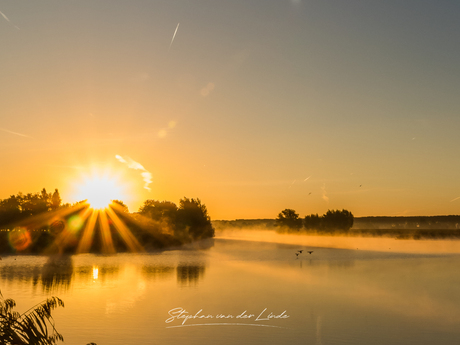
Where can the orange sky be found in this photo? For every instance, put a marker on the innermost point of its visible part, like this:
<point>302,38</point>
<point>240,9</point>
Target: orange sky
<point>253,107</point>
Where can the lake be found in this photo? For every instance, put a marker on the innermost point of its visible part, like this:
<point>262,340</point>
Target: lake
<point>249,287</point>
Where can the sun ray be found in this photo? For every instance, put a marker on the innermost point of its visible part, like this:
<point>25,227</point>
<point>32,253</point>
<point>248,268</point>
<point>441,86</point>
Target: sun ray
<point>129,239</point>
<point>46,218</point>
<point>85,243</point>
<point>69,233</point>
<point>36,224</point>
<point>107,242</point>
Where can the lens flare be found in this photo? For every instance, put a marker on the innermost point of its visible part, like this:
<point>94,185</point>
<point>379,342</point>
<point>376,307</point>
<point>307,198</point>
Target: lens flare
<point>57,227</point>
<point>19,239</point>
<point>75,223</point>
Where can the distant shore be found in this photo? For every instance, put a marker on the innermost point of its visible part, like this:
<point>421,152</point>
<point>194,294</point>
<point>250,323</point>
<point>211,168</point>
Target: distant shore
<point>416,227</point>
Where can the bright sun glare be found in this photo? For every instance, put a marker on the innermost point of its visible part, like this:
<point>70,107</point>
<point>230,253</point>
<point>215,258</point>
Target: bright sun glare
<point>99,191</point>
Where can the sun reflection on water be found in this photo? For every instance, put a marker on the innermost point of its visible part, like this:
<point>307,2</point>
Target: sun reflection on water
<point>95,273</point>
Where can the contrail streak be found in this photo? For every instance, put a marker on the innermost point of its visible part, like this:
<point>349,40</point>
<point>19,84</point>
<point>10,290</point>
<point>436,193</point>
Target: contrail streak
<point>455,199</point>
<point>8,20</point>
<point>175,32</point>
<point>15,133</point>
<point>4,16</point>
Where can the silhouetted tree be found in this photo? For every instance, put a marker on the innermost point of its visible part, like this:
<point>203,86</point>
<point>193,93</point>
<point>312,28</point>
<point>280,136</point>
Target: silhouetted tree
<point>10,210</point>
<point>55,200</point>
<point>45,197</point>
<point>288,218</point>
<point>193,216</point>
<point>120,206</point>
<point>330,221</point>
<point>159,210</point>
<point>312,222</point>
<point>33,204</point>
<point>20,206</point>
<point>335,219</point>
<point>188,221</point>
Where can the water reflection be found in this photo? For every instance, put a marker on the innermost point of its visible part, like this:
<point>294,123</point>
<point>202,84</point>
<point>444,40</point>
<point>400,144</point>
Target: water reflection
<point>155,272</point>
<point>189,275</point>
<point>332,264</point>
<point>23,274</point>
<point>57,273</point>
<point>333,296</point>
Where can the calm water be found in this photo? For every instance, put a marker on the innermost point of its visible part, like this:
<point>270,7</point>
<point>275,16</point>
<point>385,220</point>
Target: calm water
<point>333,296</point>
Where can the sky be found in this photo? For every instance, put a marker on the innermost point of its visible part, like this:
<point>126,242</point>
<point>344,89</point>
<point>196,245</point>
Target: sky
<point>251,106</point>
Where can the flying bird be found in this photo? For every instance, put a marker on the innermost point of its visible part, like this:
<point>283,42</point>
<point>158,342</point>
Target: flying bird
<point>310,251</point>
<point>300,251</point>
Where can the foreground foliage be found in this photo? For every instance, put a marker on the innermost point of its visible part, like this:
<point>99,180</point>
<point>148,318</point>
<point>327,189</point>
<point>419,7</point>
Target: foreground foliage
<point>34,327</point>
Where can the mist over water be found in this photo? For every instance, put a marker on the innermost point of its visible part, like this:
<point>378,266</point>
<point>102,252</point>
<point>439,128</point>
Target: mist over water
<point>382,244</point>
<point>336,295</point>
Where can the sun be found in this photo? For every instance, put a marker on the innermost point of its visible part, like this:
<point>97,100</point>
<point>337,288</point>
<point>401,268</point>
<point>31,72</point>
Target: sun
<point>99,190</point>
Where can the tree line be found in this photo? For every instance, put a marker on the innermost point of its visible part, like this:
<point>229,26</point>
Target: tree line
<point>35,222</point>
<point>332,220</point>
<point>21,206</point>
<point>190,219</point>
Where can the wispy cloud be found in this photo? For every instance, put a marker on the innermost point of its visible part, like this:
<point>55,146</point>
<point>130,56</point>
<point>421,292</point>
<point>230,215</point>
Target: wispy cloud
<point>15,133</point>
<point>205,91</point>
<point>132,164</point>
<point>324,196</point>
